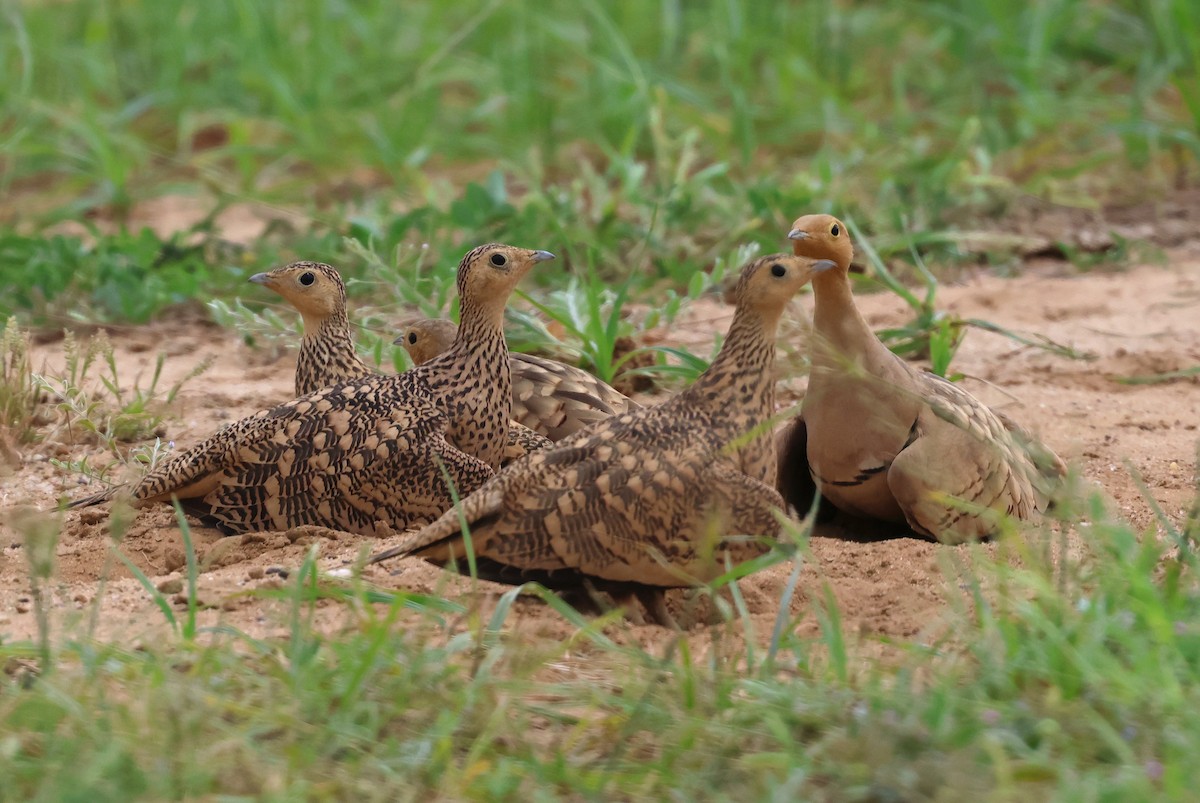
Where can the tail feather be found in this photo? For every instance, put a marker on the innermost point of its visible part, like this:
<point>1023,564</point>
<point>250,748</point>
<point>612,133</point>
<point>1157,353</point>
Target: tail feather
<point>472,509</point>
<point>95,499</point>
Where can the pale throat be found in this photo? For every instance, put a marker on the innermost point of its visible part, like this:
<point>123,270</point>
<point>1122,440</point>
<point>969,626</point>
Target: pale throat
<point>315,325</point>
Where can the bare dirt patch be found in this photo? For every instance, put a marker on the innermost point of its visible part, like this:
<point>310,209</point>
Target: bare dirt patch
<point>1137,322</point>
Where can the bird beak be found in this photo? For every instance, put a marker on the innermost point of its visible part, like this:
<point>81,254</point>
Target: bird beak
<point>399,341</point>
<point>797,234</point>
<point>543,256</point>
<point>822,265</point>
<point>261,278</point>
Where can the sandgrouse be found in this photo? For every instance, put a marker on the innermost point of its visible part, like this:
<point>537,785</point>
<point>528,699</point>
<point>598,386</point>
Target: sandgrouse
<point>643,500</point>
<point>885,441</point>
<point>373,454</point>
<point>327,354</point>
<point>549,397</point>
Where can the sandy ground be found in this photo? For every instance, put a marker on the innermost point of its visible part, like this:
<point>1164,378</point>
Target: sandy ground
<point>1139,321</point>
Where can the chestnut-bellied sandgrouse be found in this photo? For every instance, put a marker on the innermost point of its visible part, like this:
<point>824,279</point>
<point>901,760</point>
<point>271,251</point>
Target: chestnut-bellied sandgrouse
<point>882,440</point>
<point>654,498</point>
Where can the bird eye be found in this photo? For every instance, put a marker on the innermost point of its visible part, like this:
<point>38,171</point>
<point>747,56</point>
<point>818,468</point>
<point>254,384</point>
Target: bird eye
<point>412,338</point>
<point>836,230</point>
<point>307,278</point>
<point>499,260</point>
<point>778,271</point>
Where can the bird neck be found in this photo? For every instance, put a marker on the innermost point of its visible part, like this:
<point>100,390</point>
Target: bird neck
<point>332,326</point>
<point>478,320</point>
<point>839,330</point>
<point>327,354</point>
<point>329,336</point>
<point>473,382</point>
<point>742,376</point>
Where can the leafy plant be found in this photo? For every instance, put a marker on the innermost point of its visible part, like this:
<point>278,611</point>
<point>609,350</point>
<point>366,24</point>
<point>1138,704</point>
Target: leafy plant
<point>934,334</point>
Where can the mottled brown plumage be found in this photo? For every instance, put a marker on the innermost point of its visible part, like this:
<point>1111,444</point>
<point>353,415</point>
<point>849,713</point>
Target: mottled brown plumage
<point>885,441</point>
<point>327,354</point>
<point>522,441</point>
<point>368,455</point>
<point>549,397</point>
<point>644,500</point>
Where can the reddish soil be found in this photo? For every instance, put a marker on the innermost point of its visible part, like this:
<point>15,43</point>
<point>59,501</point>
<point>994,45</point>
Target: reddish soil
<point>1135,322</point>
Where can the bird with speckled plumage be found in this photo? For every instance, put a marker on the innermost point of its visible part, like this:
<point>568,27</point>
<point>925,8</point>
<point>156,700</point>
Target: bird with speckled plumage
<point>373,454</point>
<point>658,497</point>
<point>549,397</point>
<point>327,353</point>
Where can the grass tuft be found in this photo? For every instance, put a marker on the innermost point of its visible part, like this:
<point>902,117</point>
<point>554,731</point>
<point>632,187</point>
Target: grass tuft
<point>19,393</point>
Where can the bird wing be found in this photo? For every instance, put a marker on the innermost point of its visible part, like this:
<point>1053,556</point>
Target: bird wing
<point>522,441</point>
<point>622,503</point>
<point>966,460</point>
<point>558,400</point>
<point>349,456</point>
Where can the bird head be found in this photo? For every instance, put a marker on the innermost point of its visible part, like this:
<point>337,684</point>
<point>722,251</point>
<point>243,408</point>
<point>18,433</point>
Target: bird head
<point>768,283</point>
<point>488,274</point>
<point>822,237</point>
<point>313,288</point>
<point>426,338</point>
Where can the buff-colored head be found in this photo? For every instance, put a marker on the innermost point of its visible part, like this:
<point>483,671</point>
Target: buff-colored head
<point>488,274</point>
<point>313,288</point>
<point>822,237</point>
<point>767,284</point>
<point>426,338</point>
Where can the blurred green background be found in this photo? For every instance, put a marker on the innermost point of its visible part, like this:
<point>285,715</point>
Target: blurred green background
<point>643,140</point>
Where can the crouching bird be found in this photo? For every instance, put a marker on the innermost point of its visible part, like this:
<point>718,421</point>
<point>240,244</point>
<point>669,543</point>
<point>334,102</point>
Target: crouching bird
<point>654,498</point>
<point>883,440</point>
<point>327,354</point>
<point>370,454</point>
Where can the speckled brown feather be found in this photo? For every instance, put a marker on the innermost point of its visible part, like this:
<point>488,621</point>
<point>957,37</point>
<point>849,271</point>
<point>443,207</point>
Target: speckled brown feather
<point>886,441</point>
<point>522,441</point>
<point>656,497</point>
<point>366,456</point>
<point>327,354</point>
<point>549,397</point>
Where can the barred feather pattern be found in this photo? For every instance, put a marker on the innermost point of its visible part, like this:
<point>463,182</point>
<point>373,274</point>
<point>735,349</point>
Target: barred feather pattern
<point>654,498</point>
<point>549,397</point>
<point>371,455</point>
